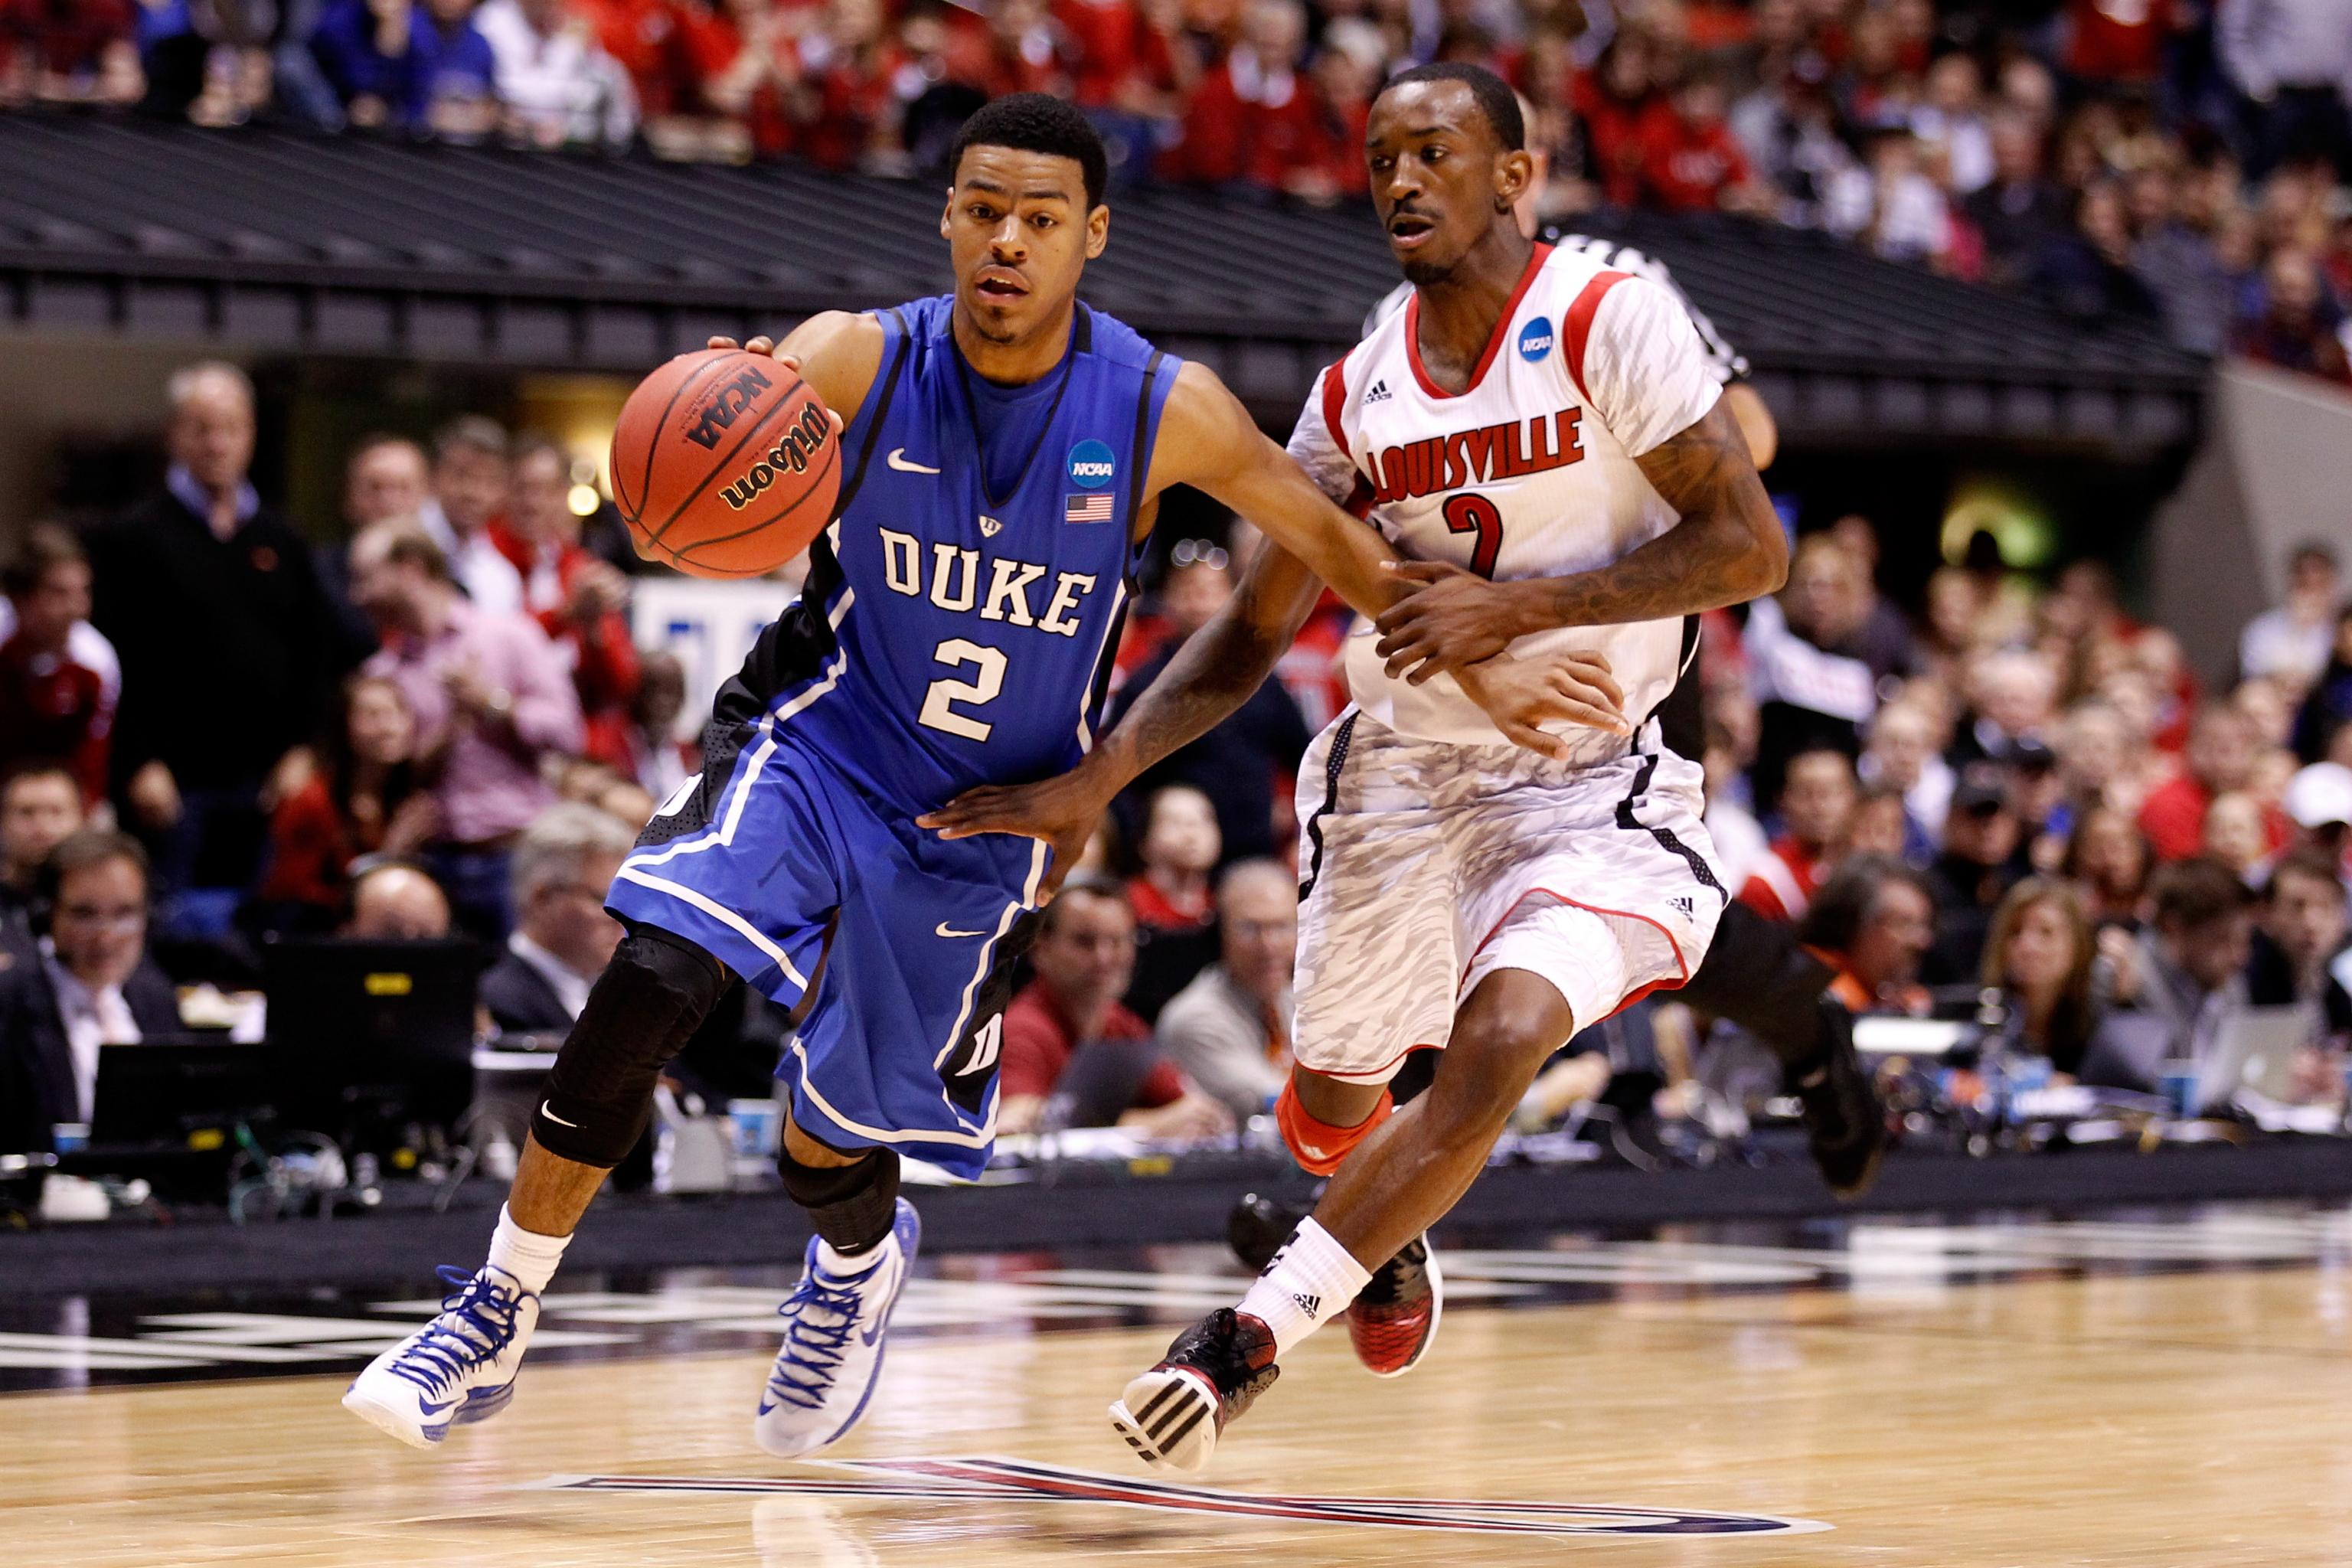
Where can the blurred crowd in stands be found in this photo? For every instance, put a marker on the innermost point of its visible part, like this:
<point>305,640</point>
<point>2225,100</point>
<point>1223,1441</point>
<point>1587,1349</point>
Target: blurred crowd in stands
<point>2018,801</point>
<point>2180,161</point>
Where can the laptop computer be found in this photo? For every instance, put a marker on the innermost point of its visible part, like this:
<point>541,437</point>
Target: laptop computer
<point>176,1092</point>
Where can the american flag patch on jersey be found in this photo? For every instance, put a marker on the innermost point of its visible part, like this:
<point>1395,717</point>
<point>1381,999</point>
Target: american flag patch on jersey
<point>1092,507</point>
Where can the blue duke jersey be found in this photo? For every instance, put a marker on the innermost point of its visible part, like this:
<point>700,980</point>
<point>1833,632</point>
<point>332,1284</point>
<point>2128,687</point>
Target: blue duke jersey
<point>956,628</point>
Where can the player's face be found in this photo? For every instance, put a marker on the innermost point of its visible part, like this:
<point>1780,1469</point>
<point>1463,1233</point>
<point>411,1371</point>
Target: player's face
<point>1441,182</point>
<point>1019,234</point>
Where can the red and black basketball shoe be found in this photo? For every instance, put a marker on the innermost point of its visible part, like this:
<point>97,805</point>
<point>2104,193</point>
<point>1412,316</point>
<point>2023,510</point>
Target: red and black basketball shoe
<point>1173,1414</point>
<point>1393,1321</point>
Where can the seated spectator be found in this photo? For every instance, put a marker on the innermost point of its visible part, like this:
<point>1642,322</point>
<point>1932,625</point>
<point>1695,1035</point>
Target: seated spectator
<point>1229,1031</point>
<point>471,479</point>
<point>556,83</point>
<point>2037,798</point>
<point>2012,696</point>
<point>395,900</point>
<point>2220,758</point>
<point>2298,944</point>
<point>2236,837</point>
<point>2318,802</point>
<point>1084,957</point>
<point>2292,322</point>
<point>59,682</point>
<point>94,985</point>
<point>1881,825</point>
<point>2329,704</point>
<point>367,797</point>
<point>1173,911</point>
<point>421,67</point>
<point>2107,859</point>
<point>72,52</point>
<point>490,698</point>
<point>1903,752</point>
<point>1812,685</point>
<point>1244,765</point>
<point>1690,160</point>
<point>2295,639</point>
<point>1873,918</point>
<point>1816,813</point>
<point>578,598</point>
<point>41,808</point>
<point>2021,213</point>
<point>1969,877</point>
<point>653,753</point>
<point>2039,956</point>
<point>2185,984</point>
<point>564,864</point>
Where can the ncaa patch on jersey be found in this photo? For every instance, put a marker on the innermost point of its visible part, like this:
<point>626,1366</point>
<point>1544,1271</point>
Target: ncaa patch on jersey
<point>1092,466</point>
<point>1535,340</point>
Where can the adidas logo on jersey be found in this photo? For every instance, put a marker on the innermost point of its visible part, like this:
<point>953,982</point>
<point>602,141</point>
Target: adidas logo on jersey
<point>1379,393</point>
<point>1684,905</point>
<point>1310,1305</point>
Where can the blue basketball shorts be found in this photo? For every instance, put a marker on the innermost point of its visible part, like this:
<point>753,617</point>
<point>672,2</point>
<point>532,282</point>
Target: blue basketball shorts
<point>899,943</point>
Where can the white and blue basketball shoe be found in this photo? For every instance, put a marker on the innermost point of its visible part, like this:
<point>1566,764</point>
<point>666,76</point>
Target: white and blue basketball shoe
<point>832,1355</point>
<point>458,1368</point>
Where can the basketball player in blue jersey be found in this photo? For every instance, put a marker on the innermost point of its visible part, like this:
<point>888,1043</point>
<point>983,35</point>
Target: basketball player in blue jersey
<point>1003,446</point>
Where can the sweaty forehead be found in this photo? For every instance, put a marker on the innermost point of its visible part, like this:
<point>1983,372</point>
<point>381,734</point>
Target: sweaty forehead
<point>1020,175</point>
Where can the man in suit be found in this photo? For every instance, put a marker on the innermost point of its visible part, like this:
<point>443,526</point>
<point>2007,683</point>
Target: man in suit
<point>87,983</point>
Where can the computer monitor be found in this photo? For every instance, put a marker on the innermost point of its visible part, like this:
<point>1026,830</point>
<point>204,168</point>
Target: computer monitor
<point>368,1035</point>
<point>177,1092</point>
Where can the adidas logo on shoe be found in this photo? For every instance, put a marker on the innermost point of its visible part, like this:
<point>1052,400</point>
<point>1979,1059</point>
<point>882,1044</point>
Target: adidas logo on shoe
<point>1310,1305</point>
<point>1379,393</point>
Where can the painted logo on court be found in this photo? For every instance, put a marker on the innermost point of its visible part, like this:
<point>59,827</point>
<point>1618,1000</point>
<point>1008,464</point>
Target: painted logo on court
<point>1092,466</point>
<point>1535,340</point>
<point>1015,1480</point>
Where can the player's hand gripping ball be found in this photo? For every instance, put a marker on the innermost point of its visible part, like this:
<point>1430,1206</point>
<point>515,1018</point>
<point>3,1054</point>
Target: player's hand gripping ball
<point>725,464</point>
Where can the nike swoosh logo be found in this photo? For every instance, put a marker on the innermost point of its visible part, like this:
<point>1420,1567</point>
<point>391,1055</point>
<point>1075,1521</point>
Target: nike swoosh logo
<point>430,1409</point>
<point>943,928</point>
<point>550,1114</point>
<point>863,1336</point>
<point>898,461</point>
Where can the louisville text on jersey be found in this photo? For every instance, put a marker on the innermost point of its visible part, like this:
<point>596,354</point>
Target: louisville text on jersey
<point>1504,451</point>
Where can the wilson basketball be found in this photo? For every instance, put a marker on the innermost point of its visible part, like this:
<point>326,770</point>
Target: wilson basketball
<point>724,464</point>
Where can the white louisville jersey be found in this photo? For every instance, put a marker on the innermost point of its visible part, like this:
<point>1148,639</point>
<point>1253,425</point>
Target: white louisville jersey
<point>1529,472</point>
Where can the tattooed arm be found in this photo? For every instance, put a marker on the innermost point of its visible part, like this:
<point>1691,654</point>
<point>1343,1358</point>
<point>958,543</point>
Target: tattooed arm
<point>1727,549</point>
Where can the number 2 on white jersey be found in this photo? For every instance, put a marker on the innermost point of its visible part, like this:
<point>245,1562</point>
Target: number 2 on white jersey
<point>938,711</point>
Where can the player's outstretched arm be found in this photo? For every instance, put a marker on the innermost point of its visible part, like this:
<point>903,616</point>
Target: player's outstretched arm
<point>1210,677</point>
<point>1728,549</point>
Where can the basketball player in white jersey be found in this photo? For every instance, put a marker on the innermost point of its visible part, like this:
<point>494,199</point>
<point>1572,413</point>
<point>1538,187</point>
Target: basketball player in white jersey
<point>1542,439</point>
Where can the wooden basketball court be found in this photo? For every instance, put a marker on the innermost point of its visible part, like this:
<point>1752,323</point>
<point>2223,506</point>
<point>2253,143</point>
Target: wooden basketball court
<point>2131,1417</point>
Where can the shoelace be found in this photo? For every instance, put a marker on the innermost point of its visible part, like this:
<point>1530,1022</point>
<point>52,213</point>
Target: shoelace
<point>477,1323</point>
<point>812,1348</point>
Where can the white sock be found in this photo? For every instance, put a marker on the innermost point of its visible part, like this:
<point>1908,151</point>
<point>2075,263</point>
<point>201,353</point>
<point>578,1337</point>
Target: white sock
<point>530,1256</point>
<point>1312,1279</point>
<point>841,1265</point>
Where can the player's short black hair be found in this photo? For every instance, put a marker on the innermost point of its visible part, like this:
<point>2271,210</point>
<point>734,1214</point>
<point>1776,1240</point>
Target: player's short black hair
<point>1495,100</point>
<point>1037,122</point>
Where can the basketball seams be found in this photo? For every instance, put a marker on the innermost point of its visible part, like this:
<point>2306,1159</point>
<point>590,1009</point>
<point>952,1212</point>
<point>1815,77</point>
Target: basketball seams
<point>756,425</point>
<point>652,443</point>
<point>832,460</point>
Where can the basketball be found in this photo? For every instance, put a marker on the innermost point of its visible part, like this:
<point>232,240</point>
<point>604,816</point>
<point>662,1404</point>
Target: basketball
<point>724,464</point>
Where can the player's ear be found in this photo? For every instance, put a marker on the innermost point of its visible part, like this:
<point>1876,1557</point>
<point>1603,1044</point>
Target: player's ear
<point>1097,231</point>
<point>1514,172</point>
<point>947,215</point>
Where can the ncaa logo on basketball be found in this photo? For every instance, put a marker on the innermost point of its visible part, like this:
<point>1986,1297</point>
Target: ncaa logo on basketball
<point>1092,466</point>
<point>724,404</point>
<point>1535,340</point>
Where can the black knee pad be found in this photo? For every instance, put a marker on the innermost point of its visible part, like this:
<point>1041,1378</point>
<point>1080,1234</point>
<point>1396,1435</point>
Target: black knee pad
<point>640,1013</point>
<point>850,1205</point>
<point>1757,975</point>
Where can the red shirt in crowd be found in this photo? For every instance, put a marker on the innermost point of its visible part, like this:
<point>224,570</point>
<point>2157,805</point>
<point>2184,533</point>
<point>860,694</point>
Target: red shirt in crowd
<point>58,708</point>
<point>1613,127</point>
<point>1111,46</point>
<point>1155,909</point>
<point>1782,885</point>
<point>1687,167</point>
<point>1247,123</point>
<point>2173,818</point>
<point>606,671</point>
<point>2118,40</point>
<point>1039,1041</point>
